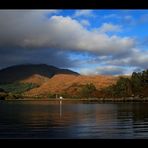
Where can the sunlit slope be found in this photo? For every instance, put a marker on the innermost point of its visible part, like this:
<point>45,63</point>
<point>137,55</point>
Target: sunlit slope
<point>69,83</point>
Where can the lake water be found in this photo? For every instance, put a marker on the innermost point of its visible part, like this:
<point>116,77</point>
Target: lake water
<point>43,119</point>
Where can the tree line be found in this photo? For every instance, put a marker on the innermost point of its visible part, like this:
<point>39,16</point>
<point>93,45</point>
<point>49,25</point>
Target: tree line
<point>135,86</point>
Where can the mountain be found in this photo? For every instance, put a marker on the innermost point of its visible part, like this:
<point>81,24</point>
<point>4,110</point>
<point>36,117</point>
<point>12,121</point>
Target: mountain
<point>21,72</point>
<point>71,84</point>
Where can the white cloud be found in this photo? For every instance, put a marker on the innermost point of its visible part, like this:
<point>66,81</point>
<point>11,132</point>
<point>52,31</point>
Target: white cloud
<point>88,71</point>
<point>84,13</point>
<point>70,34</point>
<point>108,27</point>
<point>53,11</point>
<point>128,19</point>
<point>85,22</point>
<point>29,29</point>
<point>137,58</point>
<point>33,29</point>
<point>111,16</point>
<point>103,70</point>
<point>110,70</point>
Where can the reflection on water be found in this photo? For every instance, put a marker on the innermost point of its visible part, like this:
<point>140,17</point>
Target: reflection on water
<point>60,108</point>
<point>43,119</point>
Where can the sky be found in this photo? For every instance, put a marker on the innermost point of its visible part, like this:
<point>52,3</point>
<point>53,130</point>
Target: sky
<point>90,42</point>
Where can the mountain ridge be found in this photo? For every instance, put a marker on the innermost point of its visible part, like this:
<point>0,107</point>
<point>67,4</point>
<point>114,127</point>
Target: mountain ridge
<point>17,73</point>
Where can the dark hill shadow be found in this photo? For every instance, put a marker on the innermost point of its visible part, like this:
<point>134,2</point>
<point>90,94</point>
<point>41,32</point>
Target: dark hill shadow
<point>21,72</point>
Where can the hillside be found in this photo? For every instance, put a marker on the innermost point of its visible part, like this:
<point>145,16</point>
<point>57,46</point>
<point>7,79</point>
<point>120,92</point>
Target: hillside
<point>70,84</point>
<point>35,79</point>
<point>41,79</point>
<point>21,72</point>
<point>2,90</point>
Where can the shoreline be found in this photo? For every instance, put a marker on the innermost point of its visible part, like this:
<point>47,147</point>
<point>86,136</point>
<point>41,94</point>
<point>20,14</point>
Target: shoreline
<point>83,99</point>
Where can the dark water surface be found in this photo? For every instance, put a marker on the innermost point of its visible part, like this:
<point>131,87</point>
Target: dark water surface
<point>43,119</point>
